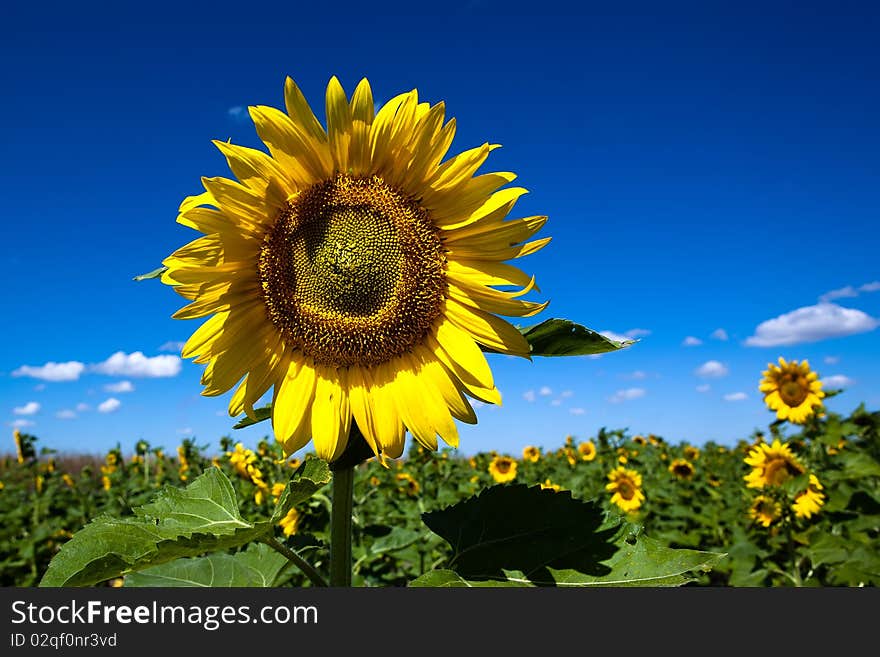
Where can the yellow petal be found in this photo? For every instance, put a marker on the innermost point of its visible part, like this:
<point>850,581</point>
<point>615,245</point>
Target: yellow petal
<point>331,414</point>
<point>338,124</point>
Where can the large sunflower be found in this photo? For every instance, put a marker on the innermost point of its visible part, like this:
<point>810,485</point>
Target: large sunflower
<point>625,487</point>
<point>355,273</point>
<point>771,465</point>
<point>792,389</point>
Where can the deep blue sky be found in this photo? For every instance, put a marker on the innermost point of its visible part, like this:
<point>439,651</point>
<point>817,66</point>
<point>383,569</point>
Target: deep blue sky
<point>704,166</point>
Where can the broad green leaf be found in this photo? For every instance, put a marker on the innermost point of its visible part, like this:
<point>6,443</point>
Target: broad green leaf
<point>537,537</point>
<point>451,579</point>
<point>203,517</point>
<point>262,414</point>
<point>156,273</point>
<point>308,479</point>
<point>397,539</point>
<point>258,566</point>
<point>561,337</point>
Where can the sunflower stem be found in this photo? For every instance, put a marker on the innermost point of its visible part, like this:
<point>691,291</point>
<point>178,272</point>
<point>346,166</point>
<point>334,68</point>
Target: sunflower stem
<point>340,526</point>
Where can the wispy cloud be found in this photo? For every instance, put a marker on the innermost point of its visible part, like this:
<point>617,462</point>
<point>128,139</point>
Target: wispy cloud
<point>849,291</point>
<point>122,386</point>
<point>691,341</point>
<point>577,411</point>
<point>837,381</point>
<point>719,334</point>
<point>735,396</point>
<point>138,365</point>
<point>638,375</point>
<point>626,336</point>
<point>52,371</point>
<point>237,113</point>
<point>40,387</point>
<point>565,394</point>
<point>831,360</point>
<point>556,402</point>
<point>21,422</point>
<point>31,408</point>
<point>626,395</point>
<point>545,391</point>
<point>712,369</point>
<point>185,431</point>
<point>82,408</point>
<point>811,324</point>
<point>704,387</point>
<point>529,395</point>
<point>65,414</point>
<point>174,347</point>
<point>873,286</point>
<point>109,405</point>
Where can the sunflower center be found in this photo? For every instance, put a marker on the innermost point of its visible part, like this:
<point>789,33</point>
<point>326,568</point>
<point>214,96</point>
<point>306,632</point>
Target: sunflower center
<point>353,272</point>
<point>777,471</point>
<point>626,490</point>
<point>503,467</point>
<point>793,391</point>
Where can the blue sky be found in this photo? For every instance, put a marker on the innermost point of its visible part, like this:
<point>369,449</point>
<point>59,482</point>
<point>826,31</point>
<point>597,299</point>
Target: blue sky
<point>710,172</point>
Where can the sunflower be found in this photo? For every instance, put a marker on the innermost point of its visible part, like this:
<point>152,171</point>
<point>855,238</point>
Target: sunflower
<point>640,440</point>
<point>682,468</point>
<point>408,484</point>
<point>531,454</point>
<point>809,501</point>
<point>549,484</point>
<point>354,273</point>
<point>502,469</point>
<point>626,488</point>
<point>290,522</point>
<point>587,450</point>
<point>792,389</point>
<point>771,465</point>
<point>764,510</point>
<point>691,453</point>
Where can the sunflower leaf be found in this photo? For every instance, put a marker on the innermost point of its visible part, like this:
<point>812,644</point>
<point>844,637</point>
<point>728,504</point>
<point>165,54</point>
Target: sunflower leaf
<point>261,415</point>
<point>562,337</point>
<point>308,479</point>
<point>156,273</point>
<point>203,517</point>
<point>258,566</point>
<point>529,536</point>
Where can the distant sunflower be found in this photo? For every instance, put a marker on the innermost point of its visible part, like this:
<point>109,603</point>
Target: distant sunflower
<point>792,389</point>
<point>771,465</point>
<point>290,522</point>
<point>503,469</point>
<point>587,451</point>
<point>764,510</point>
<point>354,272</point>
<point>408,484</point>
<point>640,440</point>
<point>809,501</point>
<point>682,468</point>
<point>691,453</point>
<point>531,454</point>
<point>625,487</point>
<point>549,484</point>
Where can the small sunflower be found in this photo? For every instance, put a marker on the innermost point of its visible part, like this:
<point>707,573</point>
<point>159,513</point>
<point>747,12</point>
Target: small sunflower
<point>549,484</point>
<point>355,273</point>
<point>640,440</point>
<point>587,451</point>
<point>691,453</point>
<point>531,454</point>
<point>809,501</point>
<point>764,510</point>
<point>503,469</point>
<point>408,484</point>
<point>771,465</point>
<point>792,389</point>
<point>625,487</point>
<point>682,468</point>
<point>290,522</point>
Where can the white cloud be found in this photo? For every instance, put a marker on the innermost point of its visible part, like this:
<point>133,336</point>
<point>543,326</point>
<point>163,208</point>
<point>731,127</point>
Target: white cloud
<point>691,341</point>
<point>82,408</point>
<point>109,405</point>
<point>837,381</point>
<point>236,112</point>
<point>831,360</point>
<point>638,375</point>
<point>529,395</point>
<point>873,286</point>
<point>186,431</point>
<point>31,408</point>
<point>637,333</point>
<point>175,347</point>
<point>65,414</point>
<point>712,369</point>
<point>617,337</point>
<point>719,334</point>
<point>556,402</point>
<point>705,387</point>
<point>136,364</point>
<point>811,324</point>
<point>576,411</point>
<point>627,394</point>
<point>21,422</point>
<point>40,387</point>
<point>565,394</point>
<point>545,391</point>
<point>735,396</point>
<point>52,371</point>
<point>122,386</point>
<point>840,293</point>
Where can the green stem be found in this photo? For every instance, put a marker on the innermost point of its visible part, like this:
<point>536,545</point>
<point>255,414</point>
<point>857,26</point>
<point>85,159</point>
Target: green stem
<point>340,526</point>
<point>307,568</point>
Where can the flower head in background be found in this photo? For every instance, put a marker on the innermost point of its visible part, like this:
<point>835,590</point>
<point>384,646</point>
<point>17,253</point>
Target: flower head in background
<point>792,389</point>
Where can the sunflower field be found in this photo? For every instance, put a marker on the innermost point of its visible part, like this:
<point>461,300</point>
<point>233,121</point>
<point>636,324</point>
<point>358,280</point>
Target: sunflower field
<point>785,507</point>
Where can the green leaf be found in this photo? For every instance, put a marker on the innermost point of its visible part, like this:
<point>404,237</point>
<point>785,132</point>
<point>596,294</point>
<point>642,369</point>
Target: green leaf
<point>156,273</point>
<point>262,414</point>
<point>450,579</point>
<point>308,479</point>
<point>203,517</point>
<point>397,539</point>
<point>535,537</point>
<point>258,566</point>
<point>561,337</point>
